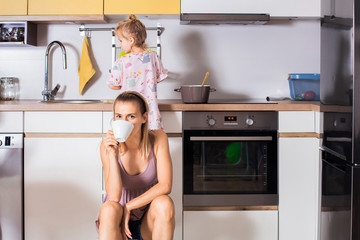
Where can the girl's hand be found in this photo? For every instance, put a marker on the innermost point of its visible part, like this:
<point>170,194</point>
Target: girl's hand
<point>110,143</point>
<point>125,222</point>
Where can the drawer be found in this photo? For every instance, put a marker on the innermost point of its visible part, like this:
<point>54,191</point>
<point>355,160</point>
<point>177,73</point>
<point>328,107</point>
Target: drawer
<point>171,120</point>
<point>11,122</point>
<point>63,122</point>
<point>297,121</point>
<point>107,116</point>
<point>230,225</point>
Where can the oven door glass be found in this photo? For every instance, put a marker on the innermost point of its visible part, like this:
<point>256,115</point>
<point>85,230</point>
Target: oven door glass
<point>230,162</point>
<point>335,198</point>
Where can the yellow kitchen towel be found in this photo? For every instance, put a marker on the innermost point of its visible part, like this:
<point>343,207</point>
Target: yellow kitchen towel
<point>86,69</point>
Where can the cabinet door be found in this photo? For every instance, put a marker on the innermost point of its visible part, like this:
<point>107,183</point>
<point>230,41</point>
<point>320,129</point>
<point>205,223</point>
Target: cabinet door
<point>175,145</point>
<point>299,176</point>
<point>142,7</point>
<point>13,7</point>
<point>276,8</point>
<point>65,7</point>
<point>220,225</point>
<point>62,188</point>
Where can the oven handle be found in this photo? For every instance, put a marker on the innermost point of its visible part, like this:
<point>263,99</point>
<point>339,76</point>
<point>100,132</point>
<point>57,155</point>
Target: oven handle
<point>338,139</point>
<point>262,138</point>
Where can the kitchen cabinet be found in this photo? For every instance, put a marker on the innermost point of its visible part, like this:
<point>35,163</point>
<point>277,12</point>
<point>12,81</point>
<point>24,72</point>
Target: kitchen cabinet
<point>337,8</point>
<point>62,187</point>
<point>11,122</point>
<point>172,121</point>
<point>13,7</point>
<point>299,171</point>
<point>299,175</point>
<point>62,174</point>
<point>276,8</point>
<point>63,122</point>
<point>142,7</point>
<point>242,225</point>
<point>298,121</point>
<point>175,145</point>
<point>65,7</point>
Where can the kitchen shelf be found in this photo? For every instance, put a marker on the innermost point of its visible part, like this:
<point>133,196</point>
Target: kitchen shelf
<point>18,34</point>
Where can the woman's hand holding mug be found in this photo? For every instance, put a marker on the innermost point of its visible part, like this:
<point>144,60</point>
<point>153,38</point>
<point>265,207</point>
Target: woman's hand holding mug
<point>121,129</point>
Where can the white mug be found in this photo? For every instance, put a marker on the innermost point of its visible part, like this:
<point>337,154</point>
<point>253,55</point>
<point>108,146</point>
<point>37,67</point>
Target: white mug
<point>121,129</point>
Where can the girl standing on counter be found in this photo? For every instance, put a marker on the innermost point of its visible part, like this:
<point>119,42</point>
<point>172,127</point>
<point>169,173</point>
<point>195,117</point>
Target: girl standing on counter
<point>137,176</point>
<point>140,70</point>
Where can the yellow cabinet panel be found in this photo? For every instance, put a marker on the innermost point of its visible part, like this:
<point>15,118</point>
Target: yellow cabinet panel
<point>65,7</point>
<point>142,7</point>
<point>13,7</point>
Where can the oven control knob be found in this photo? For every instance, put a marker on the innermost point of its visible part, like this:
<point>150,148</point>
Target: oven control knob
<point>211,122</point>
<point>249,122</point>
<point>0,142</point>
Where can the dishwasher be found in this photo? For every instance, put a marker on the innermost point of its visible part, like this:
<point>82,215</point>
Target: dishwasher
<point>11,186</point>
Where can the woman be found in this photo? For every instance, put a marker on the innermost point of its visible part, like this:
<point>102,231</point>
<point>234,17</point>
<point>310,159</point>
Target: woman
<point>138,178</point>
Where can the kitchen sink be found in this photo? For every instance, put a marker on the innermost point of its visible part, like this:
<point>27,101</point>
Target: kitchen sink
<point>76,101</point>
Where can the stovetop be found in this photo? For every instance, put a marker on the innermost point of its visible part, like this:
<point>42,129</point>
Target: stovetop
<point>241,101</point>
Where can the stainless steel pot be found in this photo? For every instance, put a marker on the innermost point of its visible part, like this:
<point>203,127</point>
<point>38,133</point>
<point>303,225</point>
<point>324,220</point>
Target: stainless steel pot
<point>195,93</point>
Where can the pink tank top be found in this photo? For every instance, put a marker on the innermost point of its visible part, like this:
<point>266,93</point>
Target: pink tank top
<point>135,185</point>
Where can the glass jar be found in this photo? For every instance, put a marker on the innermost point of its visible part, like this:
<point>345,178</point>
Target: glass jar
<point>7,88</point>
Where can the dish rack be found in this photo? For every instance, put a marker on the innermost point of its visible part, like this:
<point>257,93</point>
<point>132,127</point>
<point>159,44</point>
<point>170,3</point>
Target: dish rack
<point>115,52</point>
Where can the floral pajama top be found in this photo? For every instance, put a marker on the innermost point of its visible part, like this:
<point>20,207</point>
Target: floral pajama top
<point>141,72</point>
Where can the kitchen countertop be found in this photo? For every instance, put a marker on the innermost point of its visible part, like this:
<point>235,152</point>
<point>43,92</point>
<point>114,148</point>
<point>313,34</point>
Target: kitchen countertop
<point>173,105</point>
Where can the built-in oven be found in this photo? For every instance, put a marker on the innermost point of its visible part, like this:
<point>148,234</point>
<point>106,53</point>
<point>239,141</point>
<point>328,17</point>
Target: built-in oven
<point>230,159</point>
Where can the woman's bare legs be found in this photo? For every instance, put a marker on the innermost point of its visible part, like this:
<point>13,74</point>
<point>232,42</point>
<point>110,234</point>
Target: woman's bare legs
<point>159,222</point>
<point>110,219</point>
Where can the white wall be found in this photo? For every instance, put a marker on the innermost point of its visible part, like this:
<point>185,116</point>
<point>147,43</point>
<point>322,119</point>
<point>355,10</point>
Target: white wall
<point>243,60</point>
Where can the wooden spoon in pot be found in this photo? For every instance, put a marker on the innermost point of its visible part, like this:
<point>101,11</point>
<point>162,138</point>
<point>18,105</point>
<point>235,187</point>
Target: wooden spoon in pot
<point>206,77</point>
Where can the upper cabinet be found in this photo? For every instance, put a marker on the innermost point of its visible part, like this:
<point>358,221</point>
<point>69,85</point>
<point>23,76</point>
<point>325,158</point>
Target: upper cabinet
<point>13,7</point>
<point>337,8</point>
<point>142,6</point>
<point>65,7</point>
<point>276,8</point>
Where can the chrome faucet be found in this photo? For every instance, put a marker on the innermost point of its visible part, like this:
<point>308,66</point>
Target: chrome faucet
<point>49,94</point>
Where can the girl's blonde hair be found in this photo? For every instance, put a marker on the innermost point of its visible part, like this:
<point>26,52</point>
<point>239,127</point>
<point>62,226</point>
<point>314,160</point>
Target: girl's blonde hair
<point>147,137</point>
<point>133,27</point>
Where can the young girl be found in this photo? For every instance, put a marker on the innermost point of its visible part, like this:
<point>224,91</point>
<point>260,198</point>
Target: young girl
<point>138,178</point>
<point>140,70</point>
